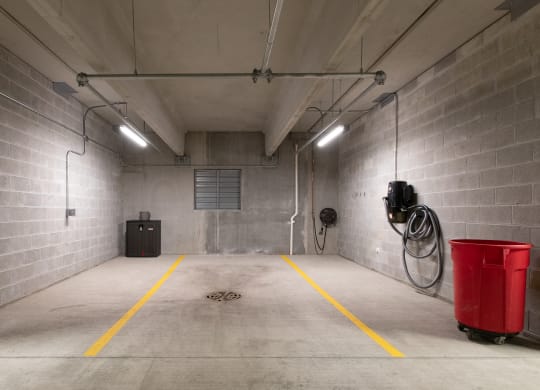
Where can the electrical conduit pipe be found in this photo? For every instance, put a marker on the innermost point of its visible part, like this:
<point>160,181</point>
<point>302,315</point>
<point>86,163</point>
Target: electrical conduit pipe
<point>292,220</point>
<point>271,35</point>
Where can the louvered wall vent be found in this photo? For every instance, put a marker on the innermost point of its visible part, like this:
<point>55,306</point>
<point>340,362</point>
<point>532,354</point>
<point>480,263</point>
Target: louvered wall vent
<point>217,189</point>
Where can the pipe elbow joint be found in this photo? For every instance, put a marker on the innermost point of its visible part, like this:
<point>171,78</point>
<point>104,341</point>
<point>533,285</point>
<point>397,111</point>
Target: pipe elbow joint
<point>380,77</point>
<point>82,79</point>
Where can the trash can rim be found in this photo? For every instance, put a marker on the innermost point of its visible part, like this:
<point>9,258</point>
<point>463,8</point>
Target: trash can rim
<point>497,243</point>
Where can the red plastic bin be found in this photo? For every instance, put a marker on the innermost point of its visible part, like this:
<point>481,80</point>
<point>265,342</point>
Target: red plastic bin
<point>489,284</point>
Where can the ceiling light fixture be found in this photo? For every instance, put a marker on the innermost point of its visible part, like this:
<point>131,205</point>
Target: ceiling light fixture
<point>132,136</point>
<point>334,133</point>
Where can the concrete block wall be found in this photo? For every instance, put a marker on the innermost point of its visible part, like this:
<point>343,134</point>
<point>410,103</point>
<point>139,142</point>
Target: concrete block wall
<point>469,141</point>
<point>37,247</point>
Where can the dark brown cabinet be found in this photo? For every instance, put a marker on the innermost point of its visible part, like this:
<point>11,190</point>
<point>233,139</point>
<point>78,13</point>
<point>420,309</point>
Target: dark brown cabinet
<point>143,238</point>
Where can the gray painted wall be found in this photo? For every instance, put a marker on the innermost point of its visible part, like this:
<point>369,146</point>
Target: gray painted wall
<point>37,248</point>
<point>150,182</point>
<point>469,142</point>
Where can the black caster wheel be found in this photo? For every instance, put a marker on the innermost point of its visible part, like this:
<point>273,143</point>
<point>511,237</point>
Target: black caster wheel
<point>499,340</point>
<point>470,335</point>
<point>461,328</point>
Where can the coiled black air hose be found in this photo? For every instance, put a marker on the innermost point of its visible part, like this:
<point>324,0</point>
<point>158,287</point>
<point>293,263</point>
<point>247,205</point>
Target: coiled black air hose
<point>422,224</point>
<point>319,249</point>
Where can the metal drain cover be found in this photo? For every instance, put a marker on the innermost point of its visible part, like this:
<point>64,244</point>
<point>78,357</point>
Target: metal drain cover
<point>223,296</point>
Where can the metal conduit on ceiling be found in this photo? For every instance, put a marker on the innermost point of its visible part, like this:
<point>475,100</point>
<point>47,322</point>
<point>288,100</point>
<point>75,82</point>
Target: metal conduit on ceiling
<point>44,46</point>
<point>271,36</point>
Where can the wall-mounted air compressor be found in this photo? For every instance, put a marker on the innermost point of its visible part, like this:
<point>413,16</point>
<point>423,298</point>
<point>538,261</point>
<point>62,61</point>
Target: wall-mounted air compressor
<point>400,197</point>
<point>422,227</point>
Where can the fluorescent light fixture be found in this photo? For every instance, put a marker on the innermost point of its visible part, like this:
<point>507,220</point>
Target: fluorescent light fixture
<point>132,136</point>
<point>334,133</point>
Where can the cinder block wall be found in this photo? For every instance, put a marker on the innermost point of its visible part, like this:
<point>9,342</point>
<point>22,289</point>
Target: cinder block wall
<point>37,247</point>
<point>469,142</point>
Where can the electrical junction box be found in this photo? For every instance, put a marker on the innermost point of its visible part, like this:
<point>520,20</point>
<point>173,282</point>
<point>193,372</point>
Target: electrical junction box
<point>143,238</point>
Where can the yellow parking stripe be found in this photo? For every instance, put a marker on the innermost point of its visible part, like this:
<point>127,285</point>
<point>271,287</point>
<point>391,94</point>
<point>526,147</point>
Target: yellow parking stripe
<point>392,351</point>
<point>107,336</point>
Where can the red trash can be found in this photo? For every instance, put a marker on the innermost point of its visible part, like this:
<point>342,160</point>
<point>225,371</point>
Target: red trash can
<point>490,278</point>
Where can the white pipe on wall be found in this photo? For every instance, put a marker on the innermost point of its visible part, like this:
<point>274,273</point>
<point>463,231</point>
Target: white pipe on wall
<point>292,220</point>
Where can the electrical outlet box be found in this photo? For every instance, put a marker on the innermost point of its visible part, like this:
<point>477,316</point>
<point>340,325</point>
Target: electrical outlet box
<point>70,212</point>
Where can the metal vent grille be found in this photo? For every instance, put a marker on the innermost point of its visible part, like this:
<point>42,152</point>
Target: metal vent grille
<point>217,189</point>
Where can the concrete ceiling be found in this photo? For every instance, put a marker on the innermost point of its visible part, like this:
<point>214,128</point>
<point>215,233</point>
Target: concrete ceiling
<point>229,36</point>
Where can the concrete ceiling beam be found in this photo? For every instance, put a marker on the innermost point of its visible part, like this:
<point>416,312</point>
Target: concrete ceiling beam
<point>323,46</point>
<point>99,33</point>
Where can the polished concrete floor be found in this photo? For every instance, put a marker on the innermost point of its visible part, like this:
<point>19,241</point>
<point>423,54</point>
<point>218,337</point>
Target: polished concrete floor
<point>281,334</point>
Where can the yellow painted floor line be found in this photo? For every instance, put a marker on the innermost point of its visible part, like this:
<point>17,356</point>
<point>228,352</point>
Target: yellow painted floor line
<point>392,351</point>
<point>108,335</point>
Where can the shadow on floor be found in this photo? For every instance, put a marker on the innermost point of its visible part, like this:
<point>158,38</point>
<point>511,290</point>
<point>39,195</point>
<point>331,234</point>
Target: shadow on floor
<point>524,341</point>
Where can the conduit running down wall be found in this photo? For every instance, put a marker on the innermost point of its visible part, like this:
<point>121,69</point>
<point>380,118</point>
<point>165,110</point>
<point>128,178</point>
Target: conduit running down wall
<point>83,136</point>
<point>70,212</point>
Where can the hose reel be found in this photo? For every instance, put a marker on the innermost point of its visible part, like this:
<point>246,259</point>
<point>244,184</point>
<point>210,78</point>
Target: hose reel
<point>421,225</point>
<point>328,216</point>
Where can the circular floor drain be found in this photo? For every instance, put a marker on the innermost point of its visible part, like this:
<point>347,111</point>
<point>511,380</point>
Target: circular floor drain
<point>223,296</point>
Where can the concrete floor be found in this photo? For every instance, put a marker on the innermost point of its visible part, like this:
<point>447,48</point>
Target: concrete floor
<point>281,334</point>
